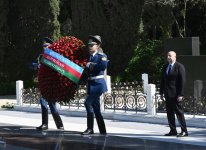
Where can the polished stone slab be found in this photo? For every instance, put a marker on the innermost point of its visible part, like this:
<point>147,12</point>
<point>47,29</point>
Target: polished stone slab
<point>27,138</point>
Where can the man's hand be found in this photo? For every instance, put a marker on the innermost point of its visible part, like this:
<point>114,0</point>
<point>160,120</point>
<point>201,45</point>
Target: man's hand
<point>88,64</point>
<point>179,98</point>
<point>82,66</point>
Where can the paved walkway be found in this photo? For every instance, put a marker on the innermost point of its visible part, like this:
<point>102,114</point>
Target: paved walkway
<point>160,118</point>
<point>117,128</point>
<point>132,126</point>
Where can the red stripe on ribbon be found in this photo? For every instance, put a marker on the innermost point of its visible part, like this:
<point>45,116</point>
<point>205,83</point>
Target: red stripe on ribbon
<point>62,65</point>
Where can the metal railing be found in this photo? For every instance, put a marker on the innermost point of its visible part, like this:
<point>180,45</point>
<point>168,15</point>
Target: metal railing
<point>191,105</point>
<point>126,96</point>
<point>31,95</point>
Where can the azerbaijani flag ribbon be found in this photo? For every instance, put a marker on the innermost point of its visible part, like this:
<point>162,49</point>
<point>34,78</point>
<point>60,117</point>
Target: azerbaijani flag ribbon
<point>62,65</point>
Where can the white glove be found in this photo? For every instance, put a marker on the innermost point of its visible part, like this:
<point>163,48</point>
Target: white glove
<point>88,64</point>
<point>180,98</point>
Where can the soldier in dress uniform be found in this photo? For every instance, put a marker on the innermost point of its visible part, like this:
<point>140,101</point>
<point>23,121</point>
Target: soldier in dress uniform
<point>43,102</point>
<point>96,84</point>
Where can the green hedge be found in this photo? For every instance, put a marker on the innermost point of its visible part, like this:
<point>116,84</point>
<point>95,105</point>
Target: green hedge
<point>148,58</point>
<point>9,88</point>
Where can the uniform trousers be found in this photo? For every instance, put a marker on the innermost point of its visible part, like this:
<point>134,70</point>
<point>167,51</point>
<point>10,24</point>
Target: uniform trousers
<point>92,105</point>
<point>54,112</point>
<point>52,105</point>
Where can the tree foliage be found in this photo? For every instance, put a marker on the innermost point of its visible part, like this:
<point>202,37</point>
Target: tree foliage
<point>116,21</point>
<point>3,35</point>
<point>172,18</point>
<point>148,58</point>
<point>121,23</point>
<point>196,22</point>
<point>158,19</point>
<point>27,25</point>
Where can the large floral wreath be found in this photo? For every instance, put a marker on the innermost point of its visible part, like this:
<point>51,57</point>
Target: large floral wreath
<point>54,86</point>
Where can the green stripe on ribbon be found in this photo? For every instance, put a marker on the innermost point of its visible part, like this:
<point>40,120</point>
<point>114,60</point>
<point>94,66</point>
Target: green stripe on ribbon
<point>59,69</point>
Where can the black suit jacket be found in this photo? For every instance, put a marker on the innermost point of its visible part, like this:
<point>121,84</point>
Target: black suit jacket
<point>172,85</point>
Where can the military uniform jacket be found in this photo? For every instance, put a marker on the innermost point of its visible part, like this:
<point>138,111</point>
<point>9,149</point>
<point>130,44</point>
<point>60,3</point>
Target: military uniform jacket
<point>98,64</point>
<point>172,85</point>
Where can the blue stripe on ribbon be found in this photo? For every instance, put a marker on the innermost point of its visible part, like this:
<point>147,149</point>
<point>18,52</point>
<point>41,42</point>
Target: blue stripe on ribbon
<point>64,60</point>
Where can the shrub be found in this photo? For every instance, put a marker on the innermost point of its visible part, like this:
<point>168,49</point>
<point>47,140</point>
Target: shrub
<point>148,58</point>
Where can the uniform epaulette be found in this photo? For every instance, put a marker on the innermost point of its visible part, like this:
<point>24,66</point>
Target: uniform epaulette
<point>101,53</point>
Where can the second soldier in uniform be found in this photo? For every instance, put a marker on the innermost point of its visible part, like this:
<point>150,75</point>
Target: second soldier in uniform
<point>43,102</point>
<point>96,85</point>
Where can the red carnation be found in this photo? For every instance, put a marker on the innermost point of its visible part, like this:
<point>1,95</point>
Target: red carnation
<point>54,86</point>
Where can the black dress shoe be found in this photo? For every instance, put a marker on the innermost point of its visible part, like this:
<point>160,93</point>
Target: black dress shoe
<point>182,134</point>
<point>60,128</point>
<point>171,134</point>
<point>42,127</point>
<point>87,132</point>
<point>103,133</point>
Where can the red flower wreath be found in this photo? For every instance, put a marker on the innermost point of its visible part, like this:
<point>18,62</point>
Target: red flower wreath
<point>52,85</point>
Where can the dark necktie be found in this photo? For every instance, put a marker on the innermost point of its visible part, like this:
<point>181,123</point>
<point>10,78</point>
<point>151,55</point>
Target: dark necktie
<point>90,58</point>
<point>169,70</point>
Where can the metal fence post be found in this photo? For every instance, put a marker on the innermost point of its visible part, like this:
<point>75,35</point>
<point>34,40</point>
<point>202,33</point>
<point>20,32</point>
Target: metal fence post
<point>19,88</point>
<point>151,109</point>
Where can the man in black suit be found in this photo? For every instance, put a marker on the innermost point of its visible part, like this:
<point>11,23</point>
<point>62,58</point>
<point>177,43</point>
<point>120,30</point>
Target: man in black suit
<point>172,86</point>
